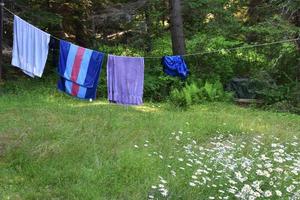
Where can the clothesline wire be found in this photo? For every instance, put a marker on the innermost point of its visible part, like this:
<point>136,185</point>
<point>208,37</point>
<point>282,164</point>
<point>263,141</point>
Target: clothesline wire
<point>236,48</point>
<point>207,52</point>
<point>17,15</point>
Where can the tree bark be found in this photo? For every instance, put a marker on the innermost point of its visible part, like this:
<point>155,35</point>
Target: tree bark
<point>178,40</point>
<point>253,12</point>
<point>148,28</point>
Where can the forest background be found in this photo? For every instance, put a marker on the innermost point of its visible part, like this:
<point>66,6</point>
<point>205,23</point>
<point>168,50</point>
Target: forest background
<point>144,27</point>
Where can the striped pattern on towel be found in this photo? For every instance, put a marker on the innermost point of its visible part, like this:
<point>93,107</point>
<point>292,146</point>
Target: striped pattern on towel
<point>79,70</point>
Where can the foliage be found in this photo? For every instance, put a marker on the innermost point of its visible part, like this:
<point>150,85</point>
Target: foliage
<point>211,28</point>
<point>188,96</point>
<point>192,94</point>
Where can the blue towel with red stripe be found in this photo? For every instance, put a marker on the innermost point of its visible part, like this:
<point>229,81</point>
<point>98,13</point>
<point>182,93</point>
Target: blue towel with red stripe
<point>79,69</point>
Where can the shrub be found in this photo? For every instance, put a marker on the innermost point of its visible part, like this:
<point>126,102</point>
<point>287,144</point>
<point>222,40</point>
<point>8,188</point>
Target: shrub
<point>192,94</point>
<point>186,97</point>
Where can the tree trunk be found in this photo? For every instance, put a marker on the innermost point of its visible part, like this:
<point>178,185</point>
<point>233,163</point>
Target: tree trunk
<point>253,13</point>
<point>253,18</point>
<point>296,21</point>
<point>178,41</point>
<point>148,28</point>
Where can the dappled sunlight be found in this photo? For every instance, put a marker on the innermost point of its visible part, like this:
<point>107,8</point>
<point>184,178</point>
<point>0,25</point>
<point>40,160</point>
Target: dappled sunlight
<point>147,108</point>
<point>88,104</point>
<point>143,108</point>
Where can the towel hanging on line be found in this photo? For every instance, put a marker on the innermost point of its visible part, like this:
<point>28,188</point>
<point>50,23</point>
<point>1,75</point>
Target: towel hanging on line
<point>79,69</point>
<point>30,48</point>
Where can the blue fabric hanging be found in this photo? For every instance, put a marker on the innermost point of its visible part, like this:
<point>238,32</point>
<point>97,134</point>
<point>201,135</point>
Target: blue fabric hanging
<point>175,66</point>
<point>79,69</point>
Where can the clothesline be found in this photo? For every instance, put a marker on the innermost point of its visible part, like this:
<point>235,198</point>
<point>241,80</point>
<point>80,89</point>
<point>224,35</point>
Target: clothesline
<point>79,68</point>
<point>207,52</point>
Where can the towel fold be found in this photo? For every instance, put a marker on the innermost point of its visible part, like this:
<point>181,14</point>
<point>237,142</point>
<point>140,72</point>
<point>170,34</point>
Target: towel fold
<point>79,70</point>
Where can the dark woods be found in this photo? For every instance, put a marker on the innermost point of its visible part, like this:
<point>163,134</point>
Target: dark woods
<point>164,27</point>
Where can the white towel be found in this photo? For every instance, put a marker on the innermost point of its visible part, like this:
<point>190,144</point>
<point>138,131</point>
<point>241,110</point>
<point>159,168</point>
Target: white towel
<point>30,48</point>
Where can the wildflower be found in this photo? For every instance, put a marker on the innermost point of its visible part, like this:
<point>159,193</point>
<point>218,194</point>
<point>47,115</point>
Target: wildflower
<point>259,172</point>
<point>211,197</point>
<point>164,192</point>
<point>256,194</point>
<point>264,157</point>
<point>231,190</point>
<point>153,186</point>
<point>240,177</point>
<point>180,159</point>
<point>192,184</point>
<point>151,197</point>
<point>281,151</point>
<point>252,197</point>
<point>294,144</point>
<point>161,157</point>
<point>266,174</point>
<point>290,188</point>
<point>279,170</point>
<point>268,165</point>
<point>188,164</point>
<point>268,193</point>
<point>259,165</point>
<point>273,145</point>
<point>136,146</point>
<point>295,171</point>
<point>256,185</point>
<point>194,177</point>
<point>278,193</point>
<point>246,189</point>
<point>173,172</point>
<point>146,145</point>
<point>163,181</point>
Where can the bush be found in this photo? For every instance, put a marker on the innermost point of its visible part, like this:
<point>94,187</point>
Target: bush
<point>186,97</point>
<point>192,94</point>
<point>284,97</point>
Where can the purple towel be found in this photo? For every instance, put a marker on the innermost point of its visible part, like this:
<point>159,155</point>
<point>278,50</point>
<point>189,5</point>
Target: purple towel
<point>125,80</point>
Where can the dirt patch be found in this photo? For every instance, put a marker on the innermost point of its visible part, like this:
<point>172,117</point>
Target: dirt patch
<point>4,142</point>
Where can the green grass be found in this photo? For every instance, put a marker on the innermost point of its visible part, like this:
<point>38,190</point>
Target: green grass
<point>55,147</point>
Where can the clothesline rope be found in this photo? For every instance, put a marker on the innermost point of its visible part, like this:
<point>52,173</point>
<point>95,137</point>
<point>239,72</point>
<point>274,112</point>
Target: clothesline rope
<point>207,52</point>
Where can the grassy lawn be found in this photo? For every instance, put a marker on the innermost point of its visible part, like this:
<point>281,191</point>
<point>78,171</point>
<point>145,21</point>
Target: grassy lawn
<point>56,147</point>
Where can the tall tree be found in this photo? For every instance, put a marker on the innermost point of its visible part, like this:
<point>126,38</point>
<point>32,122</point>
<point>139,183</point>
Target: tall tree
<point>178,40</point>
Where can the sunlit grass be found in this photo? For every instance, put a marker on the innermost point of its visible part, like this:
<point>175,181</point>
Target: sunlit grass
<point>57,147</point>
